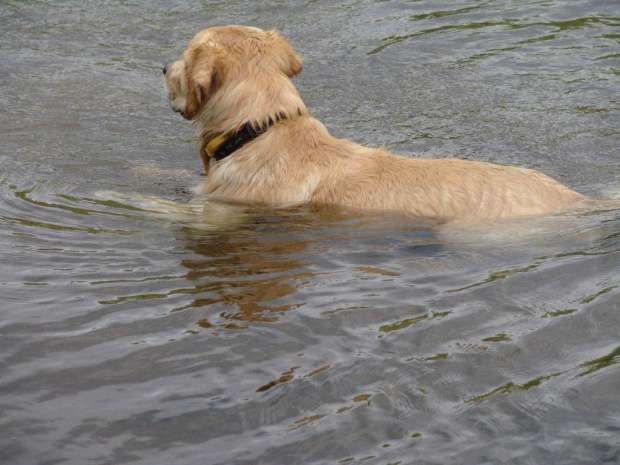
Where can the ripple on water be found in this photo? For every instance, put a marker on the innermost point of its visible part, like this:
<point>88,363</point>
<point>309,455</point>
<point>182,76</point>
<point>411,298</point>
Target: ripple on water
<point>140,325</point>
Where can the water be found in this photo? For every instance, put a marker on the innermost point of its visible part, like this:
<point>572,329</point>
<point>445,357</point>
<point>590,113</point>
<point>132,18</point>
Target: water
<point>137,328</point>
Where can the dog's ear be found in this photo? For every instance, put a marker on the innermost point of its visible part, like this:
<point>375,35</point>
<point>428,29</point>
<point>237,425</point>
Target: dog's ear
<point>203,70</point>
<point>287,60</point>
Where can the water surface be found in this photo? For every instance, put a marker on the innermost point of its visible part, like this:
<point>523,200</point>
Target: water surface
<point>138,327</point>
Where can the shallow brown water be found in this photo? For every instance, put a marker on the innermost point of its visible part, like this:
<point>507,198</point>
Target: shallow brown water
<point>137,326</point>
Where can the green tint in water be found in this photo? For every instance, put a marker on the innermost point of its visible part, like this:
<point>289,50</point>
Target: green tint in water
<point>141,325</point>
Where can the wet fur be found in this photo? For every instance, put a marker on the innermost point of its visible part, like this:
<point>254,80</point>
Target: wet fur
<point>231,75</point>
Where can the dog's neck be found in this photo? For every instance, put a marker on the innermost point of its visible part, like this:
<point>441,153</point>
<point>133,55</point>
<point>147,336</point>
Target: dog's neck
<point>256,100</point>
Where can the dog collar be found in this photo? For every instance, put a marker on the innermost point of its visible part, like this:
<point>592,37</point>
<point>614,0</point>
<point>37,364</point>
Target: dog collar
<point>222,146</point>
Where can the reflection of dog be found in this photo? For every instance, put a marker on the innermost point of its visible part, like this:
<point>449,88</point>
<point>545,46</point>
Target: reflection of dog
<point>234,83</point>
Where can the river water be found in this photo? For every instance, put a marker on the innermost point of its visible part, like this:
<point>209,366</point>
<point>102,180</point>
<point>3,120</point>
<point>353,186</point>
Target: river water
<point>138,327</point>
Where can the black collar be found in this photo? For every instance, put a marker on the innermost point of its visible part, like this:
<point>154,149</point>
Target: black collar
<point>222,146</point>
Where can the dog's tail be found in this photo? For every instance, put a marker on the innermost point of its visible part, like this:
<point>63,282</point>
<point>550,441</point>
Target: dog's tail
<point>611,203</point>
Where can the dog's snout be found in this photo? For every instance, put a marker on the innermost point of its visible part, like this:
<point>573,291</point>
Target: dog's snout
<point>165,70</point>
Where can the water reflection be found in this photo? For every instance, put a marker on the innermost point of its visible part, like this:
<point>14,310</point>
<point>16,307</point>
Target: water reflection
<point>250,277</point>
<point>369,339</point>
<point>252,269</point>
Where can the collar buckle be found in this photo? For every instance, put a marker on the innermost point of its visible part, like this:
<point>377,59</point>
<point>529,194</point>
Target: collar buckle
<point>213,146</point>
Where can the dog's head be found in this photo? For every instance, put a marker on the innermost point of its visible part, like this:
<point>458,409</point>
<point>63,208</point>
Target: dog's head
<point>223,55</point>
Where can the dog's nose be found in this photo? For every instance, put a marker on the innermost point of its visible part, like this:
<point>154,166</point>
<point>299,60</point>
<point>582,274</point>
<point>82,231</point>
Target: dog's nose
<point>165,70</point>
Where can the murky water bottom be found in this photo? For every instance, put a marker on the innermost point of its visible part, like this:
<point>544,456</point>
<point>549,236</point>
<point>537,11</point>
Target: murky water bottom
<point>138,325</point>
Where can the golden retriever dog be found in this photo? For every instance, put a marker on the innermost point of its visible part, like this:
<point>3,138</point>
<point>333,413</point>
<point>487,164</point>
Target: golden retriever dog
<point>258,143</point>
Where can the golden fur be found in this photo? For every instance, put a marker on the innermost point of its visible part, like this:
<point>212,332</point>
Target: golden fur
<point>233,75</point>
